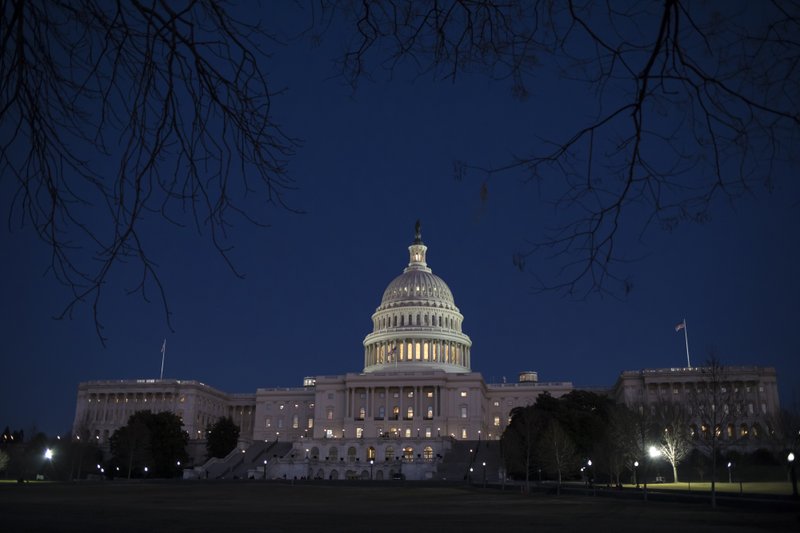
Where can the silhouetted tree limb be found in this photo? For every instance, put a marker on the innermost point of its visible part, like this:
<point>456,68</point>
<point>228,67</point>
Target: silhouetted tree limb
<point>690,103</point>
<point>171,95</point>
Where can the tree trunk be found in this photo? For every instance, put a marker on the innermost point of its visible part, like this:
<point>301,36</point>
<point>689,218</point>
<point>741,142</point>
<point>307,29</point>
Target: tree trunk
<point>675,472</point>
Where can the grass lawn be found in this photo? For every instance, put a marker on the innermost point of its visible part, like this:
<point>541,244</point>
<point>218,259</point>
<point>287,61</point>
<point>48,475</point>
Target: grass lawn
<point>178,506</point>
<point>783,488</point>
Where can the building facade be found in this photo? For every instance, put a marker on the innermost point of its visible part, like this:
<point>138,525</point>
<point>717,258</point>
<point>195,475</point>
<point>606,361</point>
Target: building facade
<point>415,396</point>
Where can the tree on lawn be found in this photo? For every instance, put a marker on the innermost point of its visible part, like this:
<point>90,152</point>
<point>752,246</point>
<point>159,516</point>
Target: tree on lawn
<point>223,436</point>
<point>557,451</point>
<point>156,441</point>
<point>715,401</point>
<point>675,444</point>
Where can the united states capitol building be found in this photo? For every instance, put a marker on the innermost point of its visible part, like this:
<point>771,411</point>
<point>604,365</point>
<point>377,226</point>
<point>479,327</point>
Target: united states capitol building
<point>415,407</point>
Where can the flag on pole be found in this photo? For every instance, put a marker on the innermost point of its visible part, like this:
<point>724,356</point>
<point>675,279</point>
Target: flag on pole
<point>163,353</point>
<point>679,326</point>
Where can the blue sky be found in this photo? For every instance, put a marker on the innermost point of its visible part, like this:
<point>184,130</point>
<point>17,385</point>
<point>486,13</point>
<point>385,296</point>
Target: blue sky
<point>370,164</point>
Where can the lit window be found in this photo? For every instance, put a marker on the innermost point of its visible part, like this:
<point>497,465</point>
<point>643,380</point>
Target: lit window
<point>359,432</point>
<point>310,422</point>
<point>463,433</point>
<point>430,412</point>
<point>295,422</point>
<point>429,394</point>
<point>463,394</point>
<point>496,403</point>
<point>497,421</point>
<point>362,413</point>
<point>268,422</point>
<point>411,394</point>
<point>427,432</point>
<point>408,433</point>
<point>410,412</point>
<point>463,411</point>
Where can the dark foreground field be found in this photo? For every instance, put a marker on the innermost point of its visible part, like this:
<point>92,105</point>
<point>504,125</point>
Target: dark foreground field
<point>254,506</point>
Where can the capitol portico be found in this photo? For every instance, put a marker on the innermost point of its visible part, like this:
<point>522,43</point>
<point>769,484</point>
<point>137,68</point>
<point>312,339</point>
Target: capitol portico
<point>415,399</point>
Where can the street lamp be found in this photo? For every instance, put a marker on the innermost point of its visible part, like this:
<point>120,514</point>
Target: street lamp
<point>730,478</point>
<point>484,474</point>
<point>792,473</point>
<point>470,475</point>
<point>635,471</point>
<point>48,454</point>
<point>265,469</point>
<point>371,463</point>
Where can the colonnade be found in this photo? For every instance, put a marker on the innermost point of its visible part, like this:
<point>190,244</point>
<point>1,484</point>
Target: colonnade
<point>417,350</point>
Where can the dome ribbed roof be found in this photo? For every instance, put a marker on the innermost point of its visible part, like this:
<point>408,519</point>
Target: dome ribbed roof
<point>415,287</point>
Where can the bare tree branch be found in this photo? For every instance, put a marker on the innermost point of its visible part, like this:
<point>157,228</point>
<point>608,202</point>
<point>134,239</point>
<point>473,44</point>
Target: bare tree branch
<point>693,103</point>
<point>172,94</point>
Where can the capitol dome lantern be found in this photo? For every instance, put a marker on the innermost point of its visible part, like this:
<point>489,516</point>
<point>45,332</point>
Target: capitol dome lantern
<point>417,325</point>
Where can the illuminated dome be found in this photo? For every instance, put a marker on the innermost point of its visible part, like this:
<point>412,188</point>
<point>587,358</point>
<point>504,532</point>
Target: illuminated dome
<point>417,326</point>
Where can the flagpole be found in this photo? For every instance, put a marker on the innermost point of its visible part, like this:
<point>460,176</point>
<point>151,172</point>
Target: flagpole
<point>163,353</point>
<point>686,339</point>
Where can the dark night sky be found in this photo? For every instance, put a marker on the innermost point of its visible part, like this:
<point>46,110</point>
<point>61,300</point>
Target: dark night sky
<point>371,163</point>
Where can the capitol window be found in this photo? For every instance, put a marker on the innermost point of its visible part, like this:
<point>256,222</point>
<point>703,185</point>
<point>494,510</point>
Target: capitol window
<point>427,453</point>
<point>463,394</point>
<point>410,413</point>
<point>463,411</point>
<point>463,433</point>
<point>268,422</point>
<point>329,413</point>
<point>428,433</point>
<point>497,421</point>
<point>295,422</point>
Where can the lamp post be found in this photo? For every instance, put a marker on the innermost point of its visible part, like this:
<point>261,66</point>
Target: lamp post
<point>730,477</point>
<point>792,474</point>
<point>265,469</point>
<point>484,474</point>
<point>590,477</point>
<point>635,471</point>
<point>470,475</point>
<point>652,453</point>
<point>48,454</point>
<point>371,463</point>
